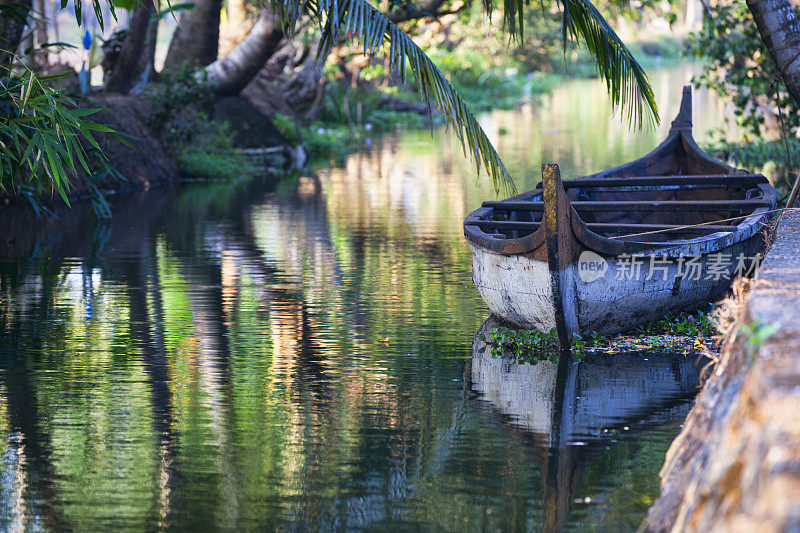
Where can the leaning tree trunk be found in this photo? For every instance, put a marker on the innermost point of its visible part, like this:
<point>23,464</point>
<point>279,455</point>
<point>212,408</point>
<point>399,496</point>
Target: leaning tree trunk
<point>147,58</point>
<point>233,72</point>
<point>196,39</point>
<point>777,23</point>
<point>136,50</point>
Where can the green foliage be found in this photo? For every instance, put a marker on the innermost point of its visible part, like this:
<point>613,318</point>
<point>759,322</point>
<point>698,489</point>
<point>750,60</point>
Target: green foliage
<point>211,154</point>
<point>768,157</point>
<point>739,67</point>
<point>654,48</point>
<point>482,82</point>
<point>754,335</point>
<point>490,72</point>
<point>46,140</point>
<point>178,90</point>
<point>179,105</point>
<point>626,81</point>
<point>286,126</point>
<point>531,346</point>
<point>388,120</point>
<point>124,4</point>
<point>337,130</point>
<point>96,8</point>
<point>523,345</point>
<point>433,86</point>
<point>687,324</point>
<point>42,136</point>
<point>341,104</point>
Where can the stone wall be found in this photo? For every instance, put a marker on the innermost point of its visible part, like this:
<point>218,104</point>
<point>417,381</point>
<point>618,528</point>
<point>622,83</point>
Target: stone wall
<point>736,464</point>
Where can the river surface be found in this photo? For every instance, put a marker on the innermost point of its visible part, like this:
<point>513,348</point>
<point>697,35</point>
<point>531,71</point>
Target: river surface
<point>302,355</point>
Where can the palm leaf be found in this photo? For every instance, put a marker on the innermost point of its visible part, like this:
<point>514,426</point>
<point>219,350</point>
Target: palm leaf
<point>360,21</point>
<point>626,80</point>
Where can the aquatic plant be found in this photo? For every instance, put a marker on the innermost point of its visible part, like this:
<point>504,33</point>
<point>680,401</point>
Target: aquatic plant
<point>529,346</point>
<point>690,332</point>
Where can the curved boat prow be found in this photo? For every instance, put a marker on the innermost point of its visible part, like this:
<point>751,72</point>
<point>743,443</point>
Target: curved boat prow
<point>683,122</point>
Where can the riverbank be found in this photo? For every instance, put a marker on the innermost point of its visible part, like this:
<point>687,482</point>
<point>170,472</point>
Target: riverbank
<point>736,464</point>
<point>161,139</point>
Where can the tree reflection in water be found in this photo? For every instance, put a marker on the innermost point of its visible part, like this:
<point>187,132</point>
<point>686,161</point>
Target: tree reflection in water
<point>253,355</point>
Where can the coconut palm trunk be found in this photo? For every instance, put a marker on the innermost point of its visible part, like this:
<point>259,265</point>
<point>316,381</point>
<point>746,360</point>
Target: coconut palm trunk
<point>147,58</point>
<point>196,39</point>
<point>234,71</point>
<point>779,28</point>
<point>40,32</point>
<point>12,25</point>
<point>135,57</point>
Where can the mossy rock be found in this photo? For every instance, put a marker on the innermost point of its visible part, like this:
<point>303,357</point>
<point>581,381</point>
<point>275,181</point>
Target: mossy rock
<point>250,127</point>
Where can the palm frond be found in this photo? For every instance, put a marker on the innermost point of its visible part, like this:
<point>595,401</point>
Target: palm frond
<point>360,21</point>
<point>626,80</point>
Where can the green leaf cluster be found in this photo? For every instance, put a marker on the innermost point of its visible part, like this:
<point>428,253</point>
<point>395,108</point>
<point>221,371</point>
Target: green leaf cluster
<point>686,324</point>
<point>755,334</point>
<point>526,346</point>
<point>740,68</point>
<point>43,135</point>
<point>46,138</point>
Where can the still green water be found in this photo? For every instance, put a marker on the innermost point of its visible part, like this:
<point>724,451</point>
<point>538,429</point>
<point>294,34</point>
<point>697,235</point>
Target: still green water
<point>299,355</point>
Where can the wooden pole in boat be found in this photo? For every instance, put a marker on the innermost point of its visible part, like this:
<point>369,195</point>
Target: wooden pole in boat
<point>560,247</point>
<point>795,190</point>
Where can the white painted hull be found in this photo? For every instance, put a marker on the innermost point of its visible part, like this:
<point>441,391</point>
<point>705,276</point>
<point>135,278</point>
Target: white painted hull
<point>518,289</point>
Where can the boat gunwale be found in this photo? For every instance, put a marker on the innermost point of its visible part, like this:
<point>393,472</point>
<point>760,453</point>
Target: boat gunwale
<point>680,135</point>
<point>701,244</point>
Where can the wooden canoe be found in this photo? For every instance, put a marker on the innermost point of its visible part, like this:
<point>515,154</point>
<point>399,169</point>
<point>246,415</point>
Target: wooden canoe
<point>613,250</point>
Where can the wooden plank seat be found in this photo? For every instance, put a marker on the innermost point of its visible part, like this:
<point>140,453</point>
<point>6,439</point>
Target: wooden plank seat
<point>501,225</point>
<point>629,206</point>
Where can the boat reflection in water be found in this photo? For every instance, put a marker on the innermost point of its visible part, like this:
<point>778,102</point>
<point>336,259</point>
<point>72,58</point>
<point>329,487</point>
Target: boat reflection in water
<point>573,412</point>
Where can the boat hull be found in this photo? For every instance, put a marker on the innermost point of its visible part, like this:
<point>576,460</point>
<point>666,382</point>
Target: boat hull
<point>518,288</point>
